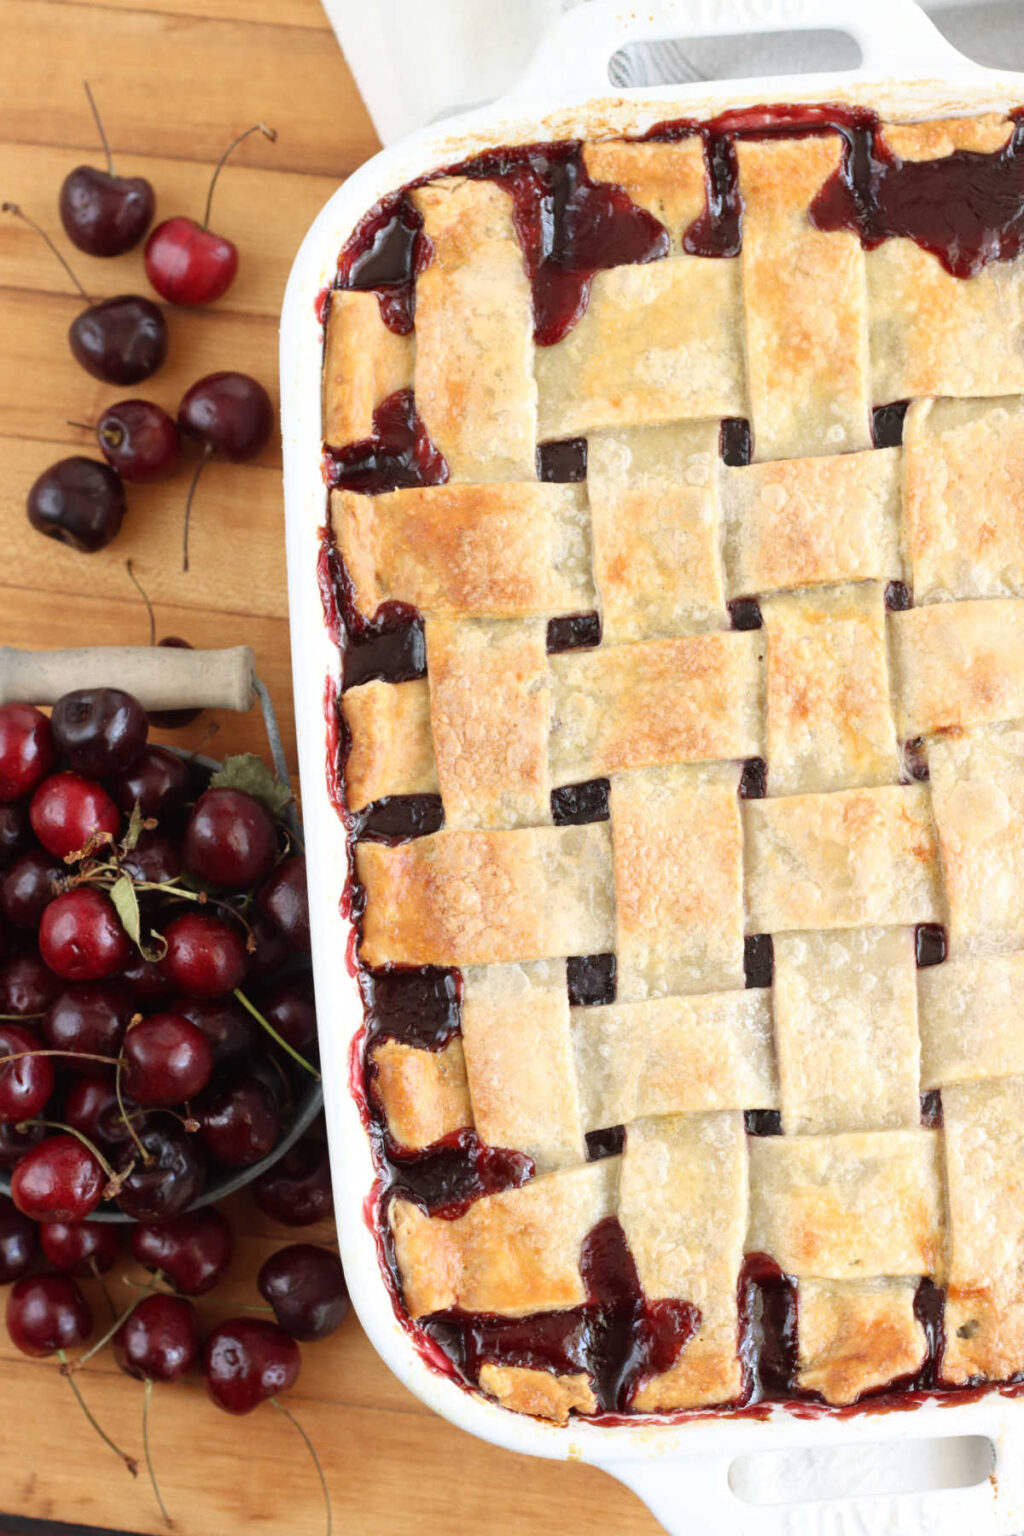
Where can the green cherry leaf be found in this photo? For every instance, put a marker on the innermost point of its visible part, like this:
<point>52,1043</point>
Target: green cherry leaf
<point>250,773</point>
<point>126,903</point>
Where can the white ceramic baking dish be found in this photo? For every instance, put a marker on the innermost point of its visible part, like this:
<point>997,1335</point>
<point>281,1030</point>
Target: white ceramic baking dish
<point>869,1473</point>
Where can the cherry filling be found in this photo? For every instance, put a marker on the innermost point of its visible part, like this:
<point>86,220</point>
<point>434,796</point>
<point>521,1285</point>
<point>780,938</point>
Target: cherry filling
<point>930,944</point>
<point>397,818</point>
<point>591,980</point>
<point>758,959</point>
<point>575,804</point>
<point>454,1173</point>
<point>931,1109</point>
<point>762,1122</point>
<point>562,462</point>
<point>575,632</point>
<point>897,597</point>
<point>418,1005</point>
<point>607,1143</point>
<point>735,443</point>
<point>385,253</point>
<point>887,424</point>
<point>717,231</point>
<point>754,779</point>
<point>391,646</point>
<point>400,453</point>
<point>745,613</point>
<point>617,1337</point>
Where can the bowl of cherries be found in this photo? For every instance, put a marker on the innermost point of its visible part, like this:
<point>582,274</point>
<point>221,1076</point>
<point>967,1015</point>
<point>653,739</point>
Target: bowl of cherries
<point>158,1042</point>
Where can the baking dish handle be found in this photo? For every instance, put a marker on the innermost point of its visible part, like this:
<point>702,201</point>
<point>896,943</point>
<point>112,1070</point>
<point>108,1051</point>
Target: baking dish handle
<point>160,677</point>
<point>695,1498</point>
<point>894,36</point>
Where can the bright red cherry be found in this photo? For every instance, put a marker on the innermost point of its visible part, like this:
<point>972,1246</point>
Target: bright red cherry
<point>230,840</point>
<point>59,1180</point>
<point>80,936</point>
<point>185,261</point>
<point>26,1083</point>
<point>167,1060</point>
<point>69,812</point>
<point>248,1360</point>
<point>26,749</point>
<point>205,955</point>
<point>193,1250</point>
<point>82,1248</point>
<point>159,1341</point>
<point>46,1314</point>
<point>102,213</point>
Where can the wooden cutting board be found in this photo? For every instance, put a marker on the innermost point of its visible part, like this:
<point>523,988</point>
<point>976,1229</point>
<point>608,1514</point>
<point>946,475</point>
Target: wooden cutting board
<point>176,80</point>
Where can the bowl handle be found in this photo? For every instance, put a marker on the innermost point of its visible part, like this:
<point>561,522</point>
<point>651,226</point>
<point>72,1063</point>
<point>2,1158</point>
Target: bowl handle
<point>894,36</point>
<point>160,677</point>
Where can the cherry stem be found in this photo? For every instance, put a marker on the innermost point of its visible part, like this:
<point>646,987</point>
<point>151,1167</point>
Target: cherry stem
<point>16,1018</point>
<point>149,1460</point>
<point>272,1032</point>
<point>316,1459</point>
<point>207,451</point>
<point>268,133</point>
<point>153,1284</point>
<point>83,426</point>
<point>145,598</point>
<point>125,1116</point>
<point>270,1310</point>
<point>109,1061</point>
<point>94,1349</point>
<point>129,1461</point>
<point>19,213</point>
<point>99,125</point>
<point>59,1125</point>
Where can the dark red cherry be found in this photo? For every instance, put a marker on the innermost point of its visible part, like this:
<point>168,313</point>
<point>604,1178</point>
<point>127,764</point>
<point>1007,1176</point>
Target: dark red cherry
<point>47,1313</point>
<point>271,951</point>
<point>15,1143</point>
<point>59,1180</point>
<point>239,1124</point>
<point>15,831</point>
<point>205,955</point>
<point>189,265</point>
<point>170,1181</point>
<point>174,719</point>
<point>247,1360</point>
<point>29,886</point>
<point>79,502</point>
<point>230,840</point>
<point>231,414</point>
<point>192,1251</point>
<point>157,782</point>
<point>26,1084</point>
<point>284,899</point>
<point>121,340</point>
<point>68,813</point>
<point>143,978</point>
<point>167,1060</point>
<point>27,986</point>
<point>230,1031</point>
<point>80,936</point>
<point>19,1242</point>
<point>91,1107</point>
<point>100,731</point>
<point>26,748</point>
<point>290,1007</point>
<point>155,858</point>
<point>91,1018</point>
<point>104,214</point>
<point>159,1340</point>
<point>139,440</point>
<point>297,1190</point>
<point>81,1248</point>
<point>306,1287</point>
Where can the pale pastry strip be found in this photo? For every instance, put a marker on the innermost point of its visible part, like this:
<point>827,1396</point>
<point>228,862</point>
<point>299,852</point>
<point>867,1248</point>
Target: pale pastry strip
<point>512,1253</point>
<point>856,1336</point>
<point>467,551</point>
<point>696,698</point>
<point>364,363</point>
<point>424,1094</point>
<point>519,1061</point>
<point>683,1207</point>
<point>829,722</point>
<point>958,665</point>
<point>675,1055</point>
<point>480,898</point>
<point>845,1006</point>
<point>390,751</point>
<point>810,522</point>
<point>856,858</point>
<point>475,391</point>
<point>490,707</point>
<point>849,1206</point>
<point>666,179</point>
<point>935,139</point>
<point>678,855</point>
<point>804,303</point>
<point>541,1393</point>
<point>970,1019</point>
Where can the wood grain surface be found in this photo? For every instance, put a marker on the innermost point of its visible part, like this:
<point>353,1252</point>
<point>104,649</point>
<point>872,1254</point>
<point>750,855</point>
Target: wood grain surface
<point>176,80</point>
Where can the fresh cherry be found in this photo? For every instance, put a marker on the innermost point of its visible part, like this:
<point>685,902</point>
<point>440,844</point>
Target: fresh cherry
<point>101,731</point>
<point>19,1243</point>
<point>230,1031</point>
<point>15,831</point>
<point>26,750</point>
<point>248,1360</point>
<point>59,1180</point>
<point>167,1060</point>
<point>284,899</point>
<point>240,1124</point>
<point>29,886</point>
<point>69,812</point>
<point>230,840</point>
<point>191,1251</point>
<point>155,859</point>
<point>230,414</point>
<point>78,502</point>
<point>290,1007</point>
<point>121,340</point>
<point>296,1191</point>
<point>171,1179</point>
<point>205,955</point>
<point>46,1314</point>
<point>15,1142</point>
<point>102,213</point>
<point>27,986</point>
<point>159,1340</point>
<point>91,1019</point>
<point>26,1083</point>
<point>157,782</point>
<point>80,936</point>
<point>143,978</point>
<point>185,261</point>
<point>91,1107</point>
<point>271,951</point>
<point>139,440</point>
<point>306,1287</point>
<point>82,1248</point>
